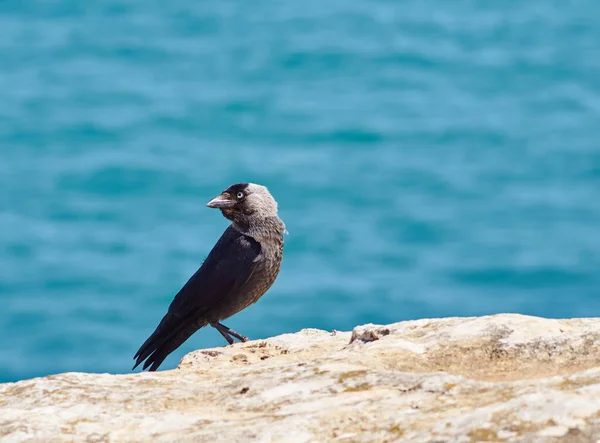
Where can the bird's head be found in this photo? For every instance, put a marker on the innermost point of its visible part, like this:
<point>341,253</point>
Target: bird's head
<point>243,201</point>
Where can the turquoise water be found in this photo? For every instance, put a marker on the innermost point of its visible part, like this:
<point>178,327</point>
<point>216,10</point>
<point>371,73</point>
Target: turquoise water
<point>430,159</point>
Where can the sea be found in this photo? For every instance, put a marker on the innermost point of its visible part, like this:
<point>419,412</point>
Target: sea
<point>430,159</point>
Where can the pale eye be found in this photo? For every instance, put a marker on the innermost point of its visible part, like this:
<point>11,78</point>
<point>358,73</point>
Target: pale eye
<point>240,195</point>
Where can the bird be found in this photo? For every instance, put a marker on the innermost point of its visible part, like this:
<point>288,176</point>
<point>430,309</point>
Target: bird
<point>240,268</point>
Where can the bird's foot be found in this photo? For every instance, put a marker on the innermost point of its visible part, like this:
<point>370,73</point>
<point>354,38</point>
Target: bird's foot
<point>240,337</point>
<point>228,333</point>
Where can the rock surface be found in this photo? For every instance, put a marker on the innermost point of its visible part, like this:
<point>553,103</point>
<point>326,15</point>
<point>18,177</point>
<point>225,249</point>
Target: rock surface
<point>497,378</point>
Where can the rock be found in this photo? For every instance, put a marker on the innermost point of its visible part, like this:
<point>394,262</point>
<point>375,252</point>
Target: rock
<point>369,333</point>
<point>497,378</point>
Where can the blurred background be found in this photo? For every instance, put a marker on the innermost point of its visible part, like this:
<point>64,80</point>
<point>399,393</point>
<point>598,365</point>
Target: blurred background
<point>429,158</point>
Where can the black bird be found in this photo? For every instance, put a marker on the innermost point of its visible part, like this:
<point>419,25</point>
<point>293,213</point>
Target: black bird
<point>241,267</point>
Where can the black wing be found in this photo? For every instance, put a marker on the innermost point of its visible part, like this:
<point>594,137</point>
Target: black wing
<point>223,274</point>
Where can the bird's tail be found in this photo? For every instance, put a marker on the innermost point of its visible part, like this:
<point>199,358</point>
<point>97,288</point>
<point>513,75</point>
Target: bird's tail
<point>168,336</point>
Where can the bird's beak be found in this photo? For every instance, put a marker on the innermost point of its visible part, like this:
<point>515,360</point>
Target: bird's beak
<point>222,201</point>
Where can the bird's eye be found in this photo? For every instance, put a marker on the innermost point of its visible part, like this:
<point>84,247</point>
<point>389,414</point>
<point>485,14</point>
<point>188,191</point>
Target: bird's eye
<point>240,195</point>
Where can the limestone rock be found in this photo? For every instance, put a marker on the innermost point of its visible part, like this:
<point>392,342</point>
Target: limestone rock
<point>497,378</point>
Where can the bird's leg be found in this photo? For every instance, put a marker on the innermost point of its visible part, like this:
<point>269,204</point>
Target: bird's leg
<point>231,332</point>
<point>223,332</point>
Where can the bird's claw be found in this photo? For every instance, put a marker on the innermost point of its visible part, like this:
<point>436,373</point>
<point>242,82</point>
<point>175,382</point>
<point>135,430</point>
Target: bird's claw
<point>240,337</point>
<point>228,333</point>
